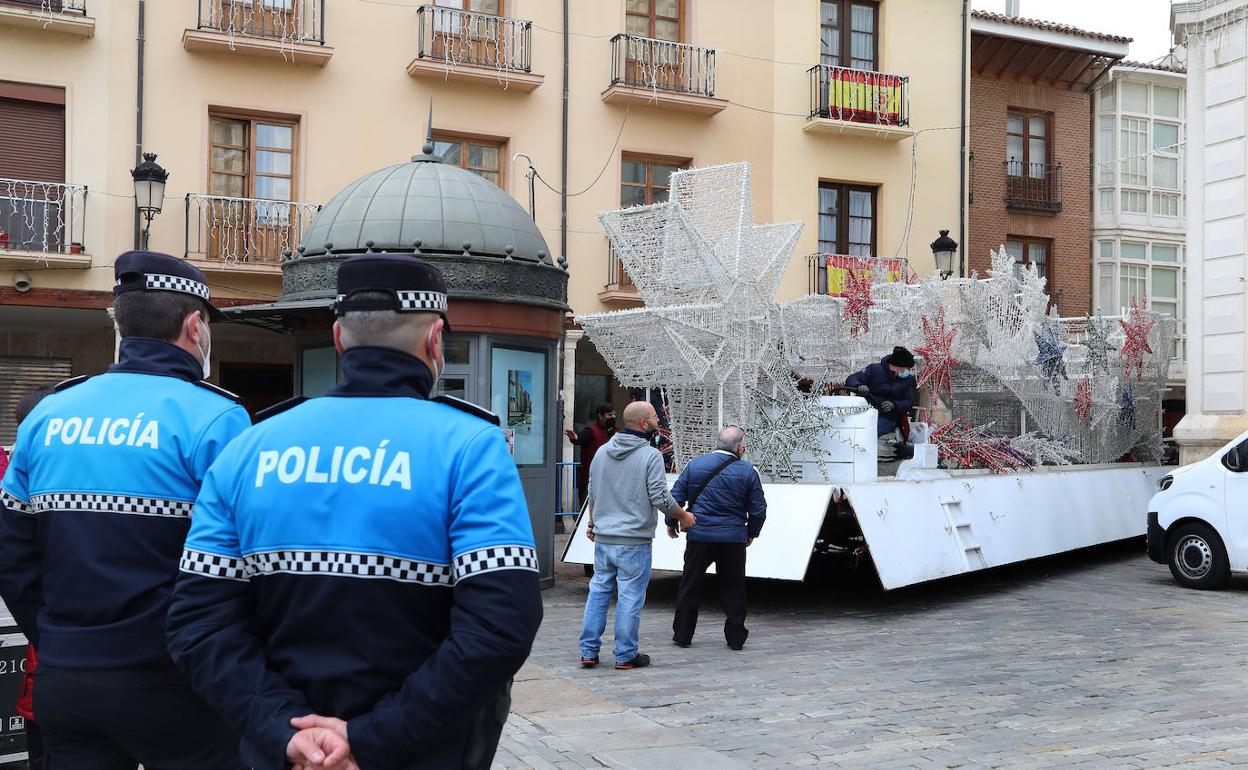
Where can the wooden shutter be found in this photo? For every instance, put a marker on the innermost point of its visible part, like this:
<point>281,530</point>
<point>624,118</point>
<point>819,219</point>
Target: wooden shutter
<point>32,140</point>
<point>20,375</point>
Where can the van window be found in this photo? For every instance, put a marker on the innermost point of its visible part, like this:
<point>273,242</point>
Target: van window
<point>1236,460</point>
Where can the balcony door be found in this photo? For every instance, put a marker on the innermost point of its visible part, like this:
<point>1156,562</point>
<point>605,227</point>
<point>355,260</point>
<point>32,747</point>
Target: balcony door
<point>658,62</point>
<point>251,171</point>
<point>848,34</point>
<point>281,19</point>
<point>469,31</point>
<point>33,204</point>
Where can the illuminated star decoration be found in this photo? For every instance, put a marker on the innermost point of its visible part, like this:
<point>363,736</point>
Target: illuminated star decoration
<point>967,447</point>
<point>1096,340</point>
<point>1049,356</point>
<point>1137,327</point>
<point>1083,399</point>
<point>1126,407</point>
<point>937,352</point>
<point>858,301</point>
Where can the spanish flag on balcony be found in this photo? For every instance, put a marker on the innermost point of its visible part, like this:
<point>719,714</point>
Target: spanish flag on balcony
<point>864,97</point>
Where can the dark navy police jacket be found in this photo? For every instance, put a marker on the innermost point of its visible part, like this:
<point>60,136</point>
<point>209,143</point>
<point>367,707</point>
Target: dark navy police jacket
<point>366,555</point>
<point>731,508</point>
<point>97,503</point>
<point>886,386</point>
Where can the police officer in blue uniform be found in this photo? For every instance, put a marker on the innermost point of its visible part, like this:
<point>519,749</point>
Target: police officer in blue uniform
<point>96,508</point>
<point>360,582</point>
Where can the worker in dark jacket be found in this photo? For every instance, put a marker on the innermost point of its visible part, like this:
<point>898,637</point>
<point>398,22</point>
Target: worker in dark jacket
<point>363,563</point>
<point>889,386</point>
<point>96,506</point>
<point>727,494</point>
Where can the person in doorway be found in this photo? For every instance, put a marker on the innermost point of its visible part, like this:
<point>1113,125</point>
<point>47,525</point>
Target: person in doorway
<point>591,438</point>
<point>726,494</point>
<point>94,511</point>
<point>888,386</point>
<point>626,485</point>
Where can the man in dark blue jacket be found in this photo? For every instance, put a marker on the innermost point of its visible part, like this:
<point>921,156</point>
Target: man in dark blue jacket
<point>727,494</point>
<point>889,386</point>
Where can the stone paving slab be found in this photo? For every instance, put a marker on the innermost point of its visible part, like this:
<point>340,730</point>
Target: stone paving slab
<point>1089,660</point>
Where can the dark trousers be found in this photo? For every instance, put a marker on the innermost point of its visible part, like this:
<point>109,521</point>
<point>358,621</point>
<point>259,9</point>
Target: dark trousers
<point>120,718</point>
<point>729,561</point>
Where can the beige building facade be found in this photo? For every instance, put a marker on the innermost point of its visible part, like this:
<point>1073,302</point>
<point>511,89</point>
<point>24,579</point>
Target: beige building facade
<point>849,113</point>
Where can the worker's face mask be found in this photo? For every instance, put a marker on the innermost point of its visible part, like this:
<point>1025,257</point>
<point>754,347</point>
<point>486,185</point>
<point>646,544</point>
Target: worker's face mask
<point>904,373</point>
<point>609,423</point>
<point>205,347</point>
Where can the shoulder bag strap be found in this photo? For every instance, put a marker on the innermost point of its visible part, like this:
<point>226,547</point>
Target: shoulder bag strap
<point>693,497</point>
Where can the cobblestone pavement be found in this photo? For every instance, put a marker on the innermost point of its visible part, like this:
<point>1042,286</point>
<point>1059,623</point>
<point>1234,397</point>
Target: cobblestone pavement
<point>1094,659</point>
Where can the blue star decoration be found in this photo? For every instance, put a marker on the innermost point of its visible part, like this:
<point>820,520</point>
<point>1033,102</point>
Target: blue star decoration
<point>1126,407</point>
<point>1049,358</point>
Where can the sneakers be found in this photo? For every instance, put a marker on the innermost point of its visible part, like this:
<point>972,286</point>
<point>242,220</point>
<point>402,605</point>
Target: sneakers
<point>589,662</point>
<point>638,661</point>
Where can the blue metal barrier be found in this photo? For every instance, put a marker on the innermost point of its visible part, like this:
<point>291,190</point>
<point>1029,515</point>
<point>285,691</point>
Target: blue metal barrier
<point>566,503</point>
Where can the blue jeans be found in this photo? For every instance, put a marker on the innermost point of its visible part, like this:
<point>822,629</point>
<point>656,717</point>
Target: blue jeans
<point>622,567</point>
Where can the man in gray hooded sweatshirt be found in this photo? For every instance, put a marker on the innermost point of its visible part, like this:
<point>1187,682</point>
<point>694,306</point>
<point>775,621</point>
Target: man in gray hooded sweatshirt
<point>626,486</point>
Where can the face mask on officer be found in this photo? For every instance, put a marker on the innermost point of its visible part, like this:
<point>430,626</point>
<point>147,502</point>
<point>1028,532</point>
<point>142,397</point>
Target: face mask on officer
<point>205,346</point>
<point>439,360</point>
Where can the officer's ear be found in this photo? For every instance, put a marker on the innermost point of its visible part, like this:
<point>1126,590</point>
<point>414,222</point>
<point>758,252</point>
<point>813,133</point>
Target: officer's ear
<point>338,339</point>
<point>434,342</point>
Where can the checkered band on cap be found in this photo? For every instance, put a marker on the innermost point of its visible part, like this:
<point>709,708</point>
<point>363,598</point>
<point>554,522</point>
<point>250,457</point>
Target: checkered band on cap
<point>349,564</point>
<point>125,504</point>
<point>15,504</point>
<point>494,558</point>
<point>213,565</point>
<point>414,301</point>
<point>160,282</point>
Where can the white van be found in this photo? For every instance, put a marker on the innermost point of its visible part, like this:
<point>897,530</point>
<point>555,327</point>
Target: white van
<point>1198,521</point>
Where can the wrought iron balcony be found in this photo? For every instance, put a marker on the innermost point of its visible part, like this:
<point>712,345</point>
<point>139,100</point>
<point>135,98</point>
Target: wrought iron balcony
<point>455,36</point>
<point>662,65</point>
<point>859,96</point>
<point>42,216</point>
<point>287,21</point>
<point>619,286</point>
<point>1033,186</point>
<point>70,7</point>
<point>244,230</point>
<point>829,273</point>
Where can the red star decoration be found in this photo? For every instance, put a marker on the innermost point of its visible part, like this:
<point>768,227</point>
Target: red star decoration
<point>937,352</point>
<point>1137,328</point>
<point>966,447</point>
<point>1083,399</point>
<point>858,301</point>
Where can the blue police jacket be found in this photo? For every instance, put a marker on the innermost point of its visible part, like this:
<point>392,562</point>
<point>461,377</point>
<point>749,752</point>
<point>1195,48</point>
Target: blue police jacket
<point>731,508</point>
<point>97,504</point>
<point>886,386</point>
<point>366,555</point>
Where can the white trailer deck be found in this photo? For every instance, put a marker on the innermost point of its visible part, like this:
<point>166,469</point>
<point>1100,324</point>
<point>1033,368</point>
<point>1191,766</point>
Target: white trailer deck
<point>920,530</point>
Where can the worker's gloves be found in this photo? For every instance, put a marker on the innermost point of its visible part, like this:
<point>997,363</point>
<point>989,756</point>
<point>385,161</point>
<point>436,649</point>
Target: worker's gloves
<point>887,407</point>
<point>863,390</point>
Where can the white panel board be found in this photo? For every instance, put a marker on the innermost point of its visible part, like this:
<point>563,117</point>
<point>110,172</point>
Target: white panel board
<point>924,530</point>
<point>794,517</point>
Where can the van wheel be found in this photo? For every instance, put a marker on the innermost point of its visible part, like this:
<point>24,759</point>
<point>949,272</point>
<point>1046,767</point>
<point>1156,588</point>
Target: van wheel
<point>1198,558</point>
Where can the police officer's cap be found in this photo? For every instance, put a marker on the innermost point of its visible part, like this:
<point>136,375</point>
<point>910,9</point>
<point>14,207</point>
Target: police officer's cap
<point>154,271</point>
<point>411,284</point>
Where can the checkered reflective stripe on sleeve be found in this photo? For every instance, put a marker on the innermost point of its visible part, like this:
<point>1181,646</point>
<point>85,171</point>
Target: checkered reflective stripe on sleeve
<point>495,558</point>
<point>127,504</point>
<point>349,564</point>
<point>177,283</point>
<point>213,565</point>
<point>14,504</point>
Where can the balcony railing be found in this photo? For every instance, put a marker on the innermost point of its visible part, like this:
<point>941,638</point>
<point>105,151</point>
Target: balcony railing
<point>859,96</point>
<point>244,230</point>
<point>662,65</point>
<point>479,39</point>
<point>290,21</point>
<point>1033,186</point>
<point>72,7</point>
<point>617,276</point>
<point>42,216</point>
<point>829,273</point>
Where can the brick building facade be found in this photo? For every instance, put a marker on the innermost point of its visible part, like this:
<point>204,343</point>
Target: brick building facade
<point>1030,140</point>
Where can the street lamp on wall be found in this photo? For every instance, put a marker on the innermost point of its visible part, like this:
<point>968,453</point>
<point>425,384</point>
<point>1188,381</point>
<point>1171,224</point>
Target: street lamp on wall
<point>944,249</point>
<point>149,190</point>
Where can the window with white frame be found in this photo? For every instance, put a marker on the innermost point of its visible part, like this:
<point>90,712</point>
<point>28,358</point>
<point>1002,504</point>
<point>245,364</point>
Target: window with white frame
<point>1142,271</point>
<point>1133,151</point>
<point>1134,96</point>
<point>1105,277</point>
<point>1166,101</point>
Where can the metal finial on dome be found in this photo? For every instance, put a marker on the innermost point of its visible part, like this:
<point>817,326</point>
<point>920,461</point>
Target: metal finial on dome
<point>563,262</point>
<point>416,247</point>
<point>541,257</point>
<point>286,254</point>
<point>508,250</point>
<point>426,151</point>
<point>329,247</point>
<point>301,249</point>
<point>467,249</point>
<point>368,246</point>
